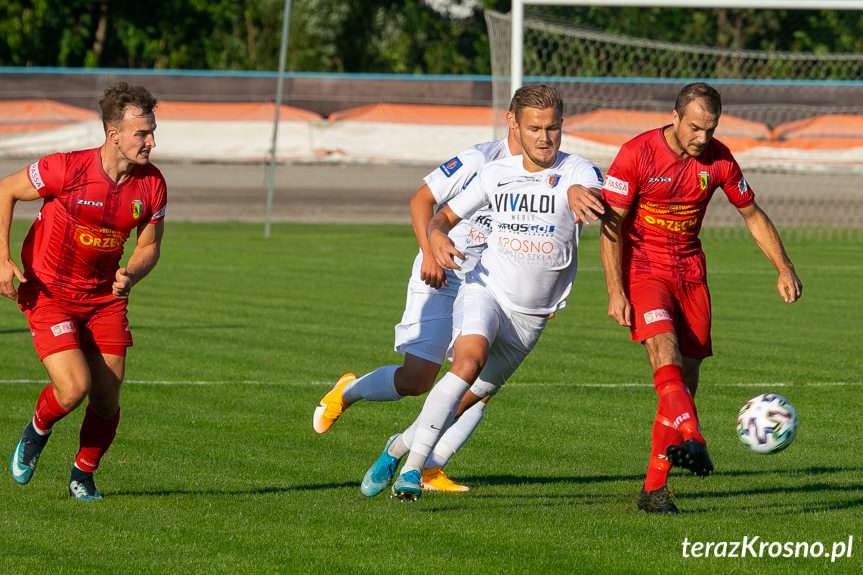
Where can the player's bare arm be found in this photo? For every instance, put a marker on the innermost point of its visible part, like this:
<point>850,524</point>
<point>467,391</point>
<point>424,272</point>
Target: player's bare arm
<point>143,259</point>
<point>422,210</point>
<point>586,203</point>
<point>764,232</point>
<point>610,248</point>
<point>442,248</point>
<point>13,188</point>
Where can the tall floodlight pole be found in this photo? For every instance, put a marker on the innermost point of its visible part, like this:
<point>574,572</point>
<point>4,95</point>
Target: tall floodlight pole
<point>283,53</point>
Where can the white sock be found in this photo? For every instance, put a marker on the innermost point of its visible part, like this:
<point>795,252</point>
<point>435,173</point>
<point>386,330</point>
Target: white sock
<point>456,436</point>
<point>436,416</point>
<point>379,385</point>
<point>397,448</point>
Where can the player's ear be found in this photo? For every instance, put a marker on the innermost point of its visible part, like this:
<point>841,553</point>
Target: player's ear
<point>112,134</point>
<point>510,120</point>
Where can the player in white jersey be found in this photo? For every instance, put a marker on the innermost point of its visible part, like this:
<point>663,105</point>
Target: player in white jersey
<point>424,332</point>
<point>523,276</point>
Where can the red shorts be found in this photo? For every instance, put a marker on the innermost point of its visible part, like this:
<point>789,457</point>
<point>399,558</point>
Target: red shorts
<point>665,305</point>
<point>93,326</point>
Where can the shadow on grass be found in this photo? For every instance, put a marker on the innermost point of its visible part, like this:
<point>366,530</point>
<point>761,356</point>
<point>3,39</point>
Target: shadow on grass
<point>556,499</point>
<point>232,492</point>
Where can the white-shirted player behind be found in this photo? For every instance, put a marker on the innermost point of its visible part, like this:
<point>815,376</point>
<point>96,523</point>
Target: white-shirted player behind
<point>425,330</point>
<point>523,276</point>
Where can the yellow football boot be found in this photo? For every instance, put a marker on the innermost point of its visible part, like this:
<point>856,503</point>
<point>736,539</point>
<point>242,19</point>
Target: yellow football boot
<point>434,479</point>
<point>332,405</point>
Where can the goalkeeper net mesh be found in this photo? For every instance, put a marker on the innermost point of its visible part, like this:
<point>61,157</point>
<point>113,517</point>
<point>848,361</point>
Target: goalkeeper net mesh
<point>793,120</point>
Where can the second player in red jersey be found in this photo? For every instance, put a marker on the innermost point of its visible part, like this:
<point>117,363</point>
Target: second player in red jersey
<point>656,193</point>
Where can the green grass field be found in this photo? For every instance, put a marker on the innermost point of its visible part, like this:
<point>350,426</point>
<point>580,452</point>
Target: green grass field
<point>216,468</point>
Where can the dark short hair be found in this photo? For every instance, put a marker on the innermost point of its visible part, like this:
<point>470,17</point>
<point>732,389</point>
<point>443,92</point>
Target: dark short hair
<point>699,91</point>
<point>116,98</point>
<point>540,96</point>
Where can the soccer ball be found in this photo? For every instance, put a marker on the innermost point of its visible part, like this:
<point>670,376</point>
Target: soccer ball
<point>767,423</point>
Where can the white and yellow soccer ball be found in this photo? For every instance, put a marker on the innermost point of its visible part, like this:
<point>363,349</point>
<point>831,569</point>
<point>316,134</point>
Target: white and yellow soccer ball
<point>767,423</point>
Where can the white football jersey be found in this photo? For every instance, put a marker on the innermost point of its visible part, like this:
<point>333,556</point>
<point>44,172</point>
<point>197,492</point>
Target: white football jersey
<point>450,178</point>
<point>532,252</point>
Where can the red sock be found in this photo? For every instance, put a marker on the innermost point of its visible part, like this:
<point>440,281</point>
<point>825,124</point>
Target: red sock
<point>662,436</point>
<point>48,410</point>
<point>95,438</point>
<point>676,402</point>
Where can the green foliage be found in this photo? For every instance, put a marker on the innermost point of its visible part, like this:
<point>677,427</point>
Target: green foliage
<point>386,36</point>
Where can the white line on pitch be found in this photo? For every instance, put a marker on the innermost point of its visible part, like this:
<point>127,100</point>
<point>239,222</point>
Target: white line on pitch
<point>511,384</point>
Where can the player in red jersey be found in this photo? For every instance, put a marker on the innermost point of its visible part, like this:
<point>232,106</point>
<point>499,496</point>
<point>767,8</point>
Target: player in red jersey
<point>72,288</point>
<point>656,193</point>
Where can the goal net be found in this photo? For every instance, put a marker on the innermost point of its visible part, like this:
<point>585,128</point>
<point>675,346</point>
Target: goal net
<point>793,119</point>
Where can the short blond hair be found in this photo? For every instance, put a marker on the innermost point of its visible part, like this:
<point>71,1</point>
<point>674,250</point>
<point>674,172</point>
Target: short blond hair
<point>540,96</point>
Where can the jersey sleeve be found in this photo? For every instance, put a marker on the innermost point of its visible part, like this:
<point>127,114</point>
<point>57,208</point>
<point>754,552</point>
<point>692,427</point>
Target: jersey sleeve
<point>587,174</point>
<point>735,186</point>
<point>451,177</point>
<point>48,174</point>
<point>471,198</point>
<point>159,200</point>
<point>621,180</point>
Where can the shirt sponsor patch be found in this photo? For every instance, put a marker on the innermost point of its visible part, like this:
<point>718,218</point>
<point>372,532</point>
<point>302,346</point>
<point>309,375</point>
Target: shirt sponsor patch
<point>61,328</point>
<point>450,167</point>
<point>616,185</point>
<point>35,176</point>
<point>656,315</point>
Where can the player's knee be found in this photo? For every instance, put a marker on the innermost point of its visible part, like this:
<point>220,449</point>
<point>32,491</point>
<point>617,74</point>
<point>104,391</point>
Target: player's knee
<point>413,386</point>
<point>70,394</point>
<point>415,378</point>
<point>467,368</point>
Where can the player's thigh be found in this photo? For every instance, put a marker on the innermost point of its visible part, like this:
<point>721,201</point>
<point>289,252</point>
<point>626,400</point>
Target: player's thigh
<point>477,312</point>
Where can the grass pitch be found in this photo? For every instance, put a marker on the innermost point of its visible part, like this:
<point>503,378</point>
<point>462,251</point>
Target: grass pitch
<point>216,468</point>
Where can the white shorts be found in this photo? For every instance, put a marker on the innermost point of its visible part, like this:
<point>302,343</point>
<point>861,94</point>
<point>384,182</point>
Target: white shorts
<point>426,326</point>
<point>513,335</point>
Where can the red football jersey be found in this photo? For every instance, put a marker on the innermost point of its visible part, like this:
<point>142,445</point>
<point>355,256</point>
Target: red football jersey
<point>75,245</point>
<point>668,196</point>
